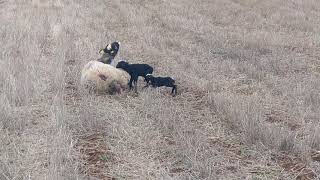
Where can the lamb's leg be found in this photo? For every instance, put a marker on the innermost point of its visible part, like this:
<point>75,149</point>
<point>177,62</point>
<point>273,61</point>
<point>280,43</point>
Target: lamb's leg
<point>135,80</point>
<point>145,80</point>
<point>130,82</point>
<point>136,89</point>
<point>174,90</point>
<point>147,85</point>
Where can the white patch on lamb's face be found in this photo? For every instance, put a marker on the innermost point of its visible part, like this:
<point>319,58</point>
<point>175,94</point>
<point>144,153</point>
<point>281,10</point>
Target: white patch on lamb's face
<point>109,47</point>
<point>119,43</point>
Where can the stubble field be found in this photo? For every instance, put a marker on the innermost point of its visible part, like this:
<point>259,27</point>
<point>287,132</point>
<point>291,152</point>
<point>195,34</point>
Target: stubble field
<point>248,76</point>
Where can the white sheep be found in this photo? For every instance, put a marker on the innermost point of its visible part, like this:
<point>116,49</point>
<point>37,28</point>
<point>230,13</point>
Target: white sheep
<point>104,78</point>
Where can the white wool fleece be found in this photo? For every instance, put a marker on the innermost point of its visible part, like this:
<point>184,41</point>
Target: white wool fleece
<point>103,77</point>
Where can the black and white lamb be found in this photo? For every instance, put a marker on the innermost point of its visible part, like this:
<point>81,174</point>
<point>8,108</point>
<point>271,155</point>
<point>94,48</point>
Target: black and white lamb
<point>135,70</point>
<point>109,52</point>
<point>161,81</point>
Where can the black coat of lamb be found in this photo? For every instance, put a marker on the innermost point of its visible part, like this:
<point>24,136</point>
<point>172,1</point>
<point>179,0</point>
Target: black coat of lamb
<point>161,81</point>
<point>135,70</point>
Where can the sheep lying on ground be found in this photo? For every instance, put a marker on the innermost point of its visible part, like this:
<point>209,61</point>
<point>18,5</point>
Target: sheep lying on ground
<point>135,70</point>
<point>109,53</point>
<point>104,78</point>
<point>161,81</point>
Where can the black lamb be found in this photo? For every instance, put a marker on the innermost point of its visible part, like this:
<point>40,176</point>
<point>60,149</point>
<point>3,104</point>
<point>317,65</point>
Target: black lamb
<point>161,81</point>
<point>135,70</point>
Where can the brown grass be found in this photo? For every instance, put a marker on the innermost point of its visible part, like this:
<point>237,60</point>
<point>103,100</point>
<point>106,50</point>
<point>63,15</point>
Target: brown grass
<point>248,90</point>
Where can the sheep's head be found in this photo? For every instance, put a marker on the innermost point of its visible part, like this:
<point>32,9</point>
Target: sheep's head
<point>122,65</point>
<point>109,52</point>
<point>116,87</point>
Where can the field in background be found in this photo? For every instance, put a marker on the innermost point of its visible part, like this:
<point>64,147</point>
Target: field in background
<point>248,75</point>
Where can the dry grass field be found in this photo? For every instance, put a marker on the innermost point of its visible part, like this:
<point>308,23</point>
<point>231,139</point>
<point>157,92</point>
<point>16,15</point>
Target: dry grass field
<point>248,103</point>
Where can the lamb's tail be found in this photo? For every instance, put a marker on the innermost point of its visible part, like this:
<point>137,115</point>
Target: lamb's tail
<point>173,81</point>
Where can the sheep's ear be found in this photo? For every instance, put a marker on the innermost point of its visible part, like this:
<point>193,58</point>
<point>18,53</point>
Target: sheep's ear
<point>109,47</point>
<point>101,51</point>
